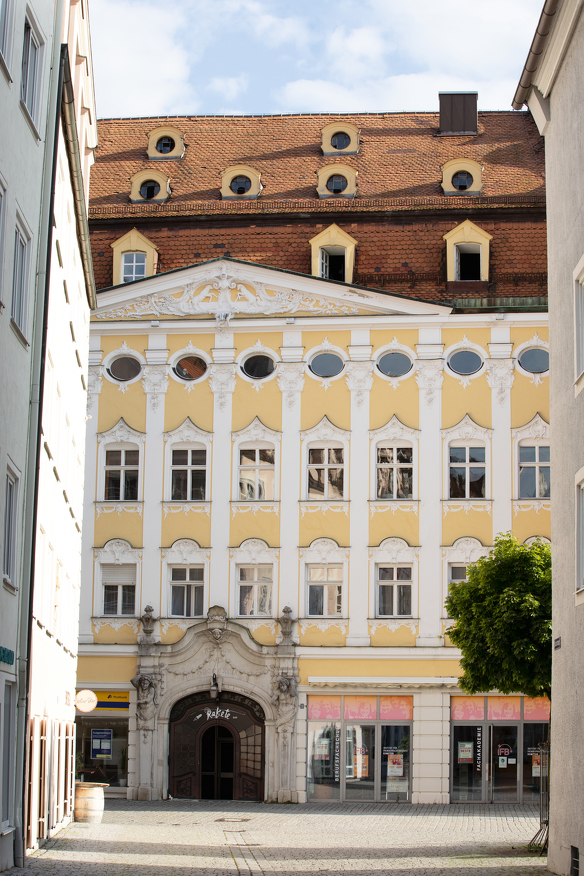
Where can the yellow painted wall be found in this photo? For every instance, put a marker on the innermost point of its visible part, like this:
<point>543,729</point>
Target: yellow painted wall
<point>126,524</point>
<point>480,336</point>
<point>386,524</point>
<point>401,638</point>
<point>114,404</point>
<point>107,635</point>
<point>318,402</point>
<point>189,525</point>
<point>529,523</point>
<point>403,401</point>
<point>331,638</point>
<point>102,670</point>
<point>196,404</point>
<point>363,668</point>
<point>474,400</point>
<point>262,524</point>
<point>527,400</point>
<point>407,337</point>
<point>317,524</point>
<point>204,342</point>
<point>478,524</point>
<point>248,404</point>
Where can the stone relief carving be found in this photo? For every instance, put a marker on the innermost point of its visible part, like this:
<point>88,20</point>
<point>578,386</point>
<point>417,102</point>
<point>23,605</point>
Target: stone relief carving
<point>94,384</point>
<point>254,551</point>
<point>285,699</point>
<point>324,624</point>
<point>429,377</point>
<point>394,550</point>
<point>324,550</point>
<point>359,379</point>
<point>121,433</point>
<point>222,382</point>
<point>148,688</point>
<point>536,505</point>
<point>155,383</point>
<point>323,507</point>
<point>115,623</point>
<point>187,432</point>
<point>148,621</point>
<point>118,507</point>
<point>393,430</point>
<point>187,551</point>
<point>394,624</point>
<point>325,431</point>
<point>465,550</point>
<point>290,379</point>
<point>185,507</point>
<point>466,429</point>
<point>392,505</point>
<point>286,622</point>
<point>254,507</point>
<point>223,296</point>
<point>117,551</point>
<point>537,428</point>
<point>256,431</point>
<point>500,377</point>
<point>471,505</point>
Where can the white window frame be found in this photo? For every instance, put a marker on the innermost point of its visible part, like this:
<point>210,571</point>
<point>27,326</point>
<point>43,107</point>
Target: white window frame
<point>257,350</point>
<point>120,437</point>
<point>534,343</point>
<point>324,552</point>
<point>185,552</point>
<point>323,261</point>
<point>394,582</point>
<point>105,583</point>
<point>325,582</point>
<point>122,448</point>
<point>253,552</point>
<point>254,470</point>
<point>187,436</point>
<point>20,298</point>
<point>578,278</point>
<point>467,465</point>
<point>256,582</point>
<point>325,434</point>
<point>189,350</point>
<point>30,93</point>
<point>122,351</point>
<point>192,584</point>
<point>536,432</point>
<point>395,434</point>
<point>258,436</point>
<point>116,551</point>
<point>467,433</point>
<point>189,467</point>
<point>7,762</point>
<point>133,253</point>
<point>393,552</point>
<point>395,347</point>
<point>10,535</point>
<point>325,347</point>
<point>6,32</point>
<point>462,552</point>
<point>526,442</point>
<point>461,347</point>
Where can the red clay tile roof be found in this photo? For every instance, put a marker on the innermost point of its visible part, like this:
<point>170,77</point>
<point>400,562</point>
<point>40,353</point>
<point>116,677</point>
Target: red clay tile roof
<point>398,164</point>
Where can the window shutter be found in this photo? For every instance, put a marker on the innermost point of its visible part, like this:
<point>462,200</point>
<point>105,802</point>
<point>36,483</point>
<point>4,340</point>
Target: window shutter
<point>111,573</point>
<point>324,264</point>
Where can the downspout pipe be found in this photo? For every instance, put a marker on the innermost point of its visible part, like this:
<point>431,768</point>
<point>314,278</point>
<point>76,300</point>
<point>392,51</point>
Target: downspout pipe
<point>20,839</point>
<point>536,50</point>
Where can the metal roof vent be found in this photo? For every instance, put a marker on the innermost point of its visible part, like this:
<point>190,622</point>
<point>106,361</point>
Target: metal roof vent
<point>458,112</point>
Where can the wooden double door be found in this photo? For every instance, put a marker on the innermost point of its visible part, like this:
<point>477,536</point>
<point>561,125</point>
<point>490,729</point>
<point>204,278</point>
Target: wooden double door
<point>217,748</point>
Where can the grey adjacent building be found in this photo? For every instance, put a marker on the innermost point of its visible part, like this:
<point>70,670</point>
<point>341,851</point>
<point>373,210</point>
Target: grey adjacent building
<point>551,85</point>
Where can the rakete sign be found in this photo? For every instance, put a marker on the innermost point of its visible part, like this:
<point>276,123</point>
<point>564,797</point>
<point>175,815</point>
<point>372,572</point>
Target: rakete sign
<point>85,701</point>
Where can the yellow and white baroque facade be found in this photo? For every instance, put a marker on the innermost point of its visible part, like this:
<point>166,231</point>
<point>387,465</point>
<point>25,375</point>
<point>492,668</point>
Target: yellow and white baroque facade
<point>248,496</point>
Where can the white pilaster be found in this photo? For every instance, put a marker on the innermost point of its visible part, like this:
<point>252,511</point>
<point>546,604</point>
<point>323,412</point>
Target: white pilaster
<point>94,384</point>
<point>500,377</point>
<point>429,377</point>
<point>359,379</point>
<point>155,385</point>
<point>291,381</point>
<point>222,383</point>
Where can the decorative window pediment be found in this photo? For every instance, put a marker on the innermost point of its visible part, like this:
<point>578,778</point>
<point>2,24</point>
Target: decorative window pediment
<point>394,430</point>
<point>256,431</point>
<point>537,429</point>
<point>325,431</point>
<point>462,176</point>
<point>133,242</point>
<point>337,181</point>
<point>333,141</point>
<point>254,551</point>
<point>165,142</point>
<point>394,550</point>
<point>121,433</point>
<point>466,430</point>
<point>138,193</point>
<point>465,550</point>
<point>117,551</point>
<point>186,551</point>
<point>240,183</point>
<point>324,550</point>
<point>188,433</point>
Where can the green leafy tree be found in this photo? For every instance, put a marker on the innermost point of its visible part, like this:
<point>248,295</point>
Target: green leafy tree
<point>503,620</point>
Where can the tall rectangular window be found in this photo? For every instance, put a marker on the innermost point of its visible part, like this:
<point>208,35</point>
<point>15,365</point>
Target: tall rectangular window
<point>325,590</point>
<point>188,474</point>
<point>534,472</point>
<point>325,473</point>
<point>256,474</point>
<point>394,590</point>
<point>10,512</point>
<point>395,473</point>
<point>255,590</point>
<point>119,588</point>
<point>20,280</point>
<point>30,70</point>
<point>186,591</point>
<point>4,27</point>
<point>467,472</point>
<point>121,475</point>
<point>133,266</point>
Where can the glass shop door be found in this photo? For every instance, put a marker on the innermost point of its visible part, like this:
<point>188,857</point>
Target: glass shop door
<point>360,762</point>
<point>504,784</point>
<point>468,785</point>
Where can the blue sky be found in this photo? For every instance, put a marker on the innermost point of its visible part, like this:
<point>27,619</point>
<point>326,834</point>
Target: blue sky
<point>278,56</point>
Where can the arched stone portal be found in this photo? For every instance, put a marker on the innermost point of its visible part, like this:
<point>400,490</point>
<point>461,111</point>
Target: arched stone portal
<point>217,748</point>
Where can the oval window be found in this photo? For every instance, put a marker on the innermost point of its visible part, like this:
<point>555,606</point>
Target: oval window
<point>165,145</point>
<point>125,368</point>
<point>535,361</point>
<point>239,185</point>
<point>462,180</point>
<point>190,368</point>
<point>327,365</point>
<point>149,189</point>
<point>340,140</point>
<point>465,362</point>
<point>336,184</point>
<point>258,367</point>
<point>394,364</point>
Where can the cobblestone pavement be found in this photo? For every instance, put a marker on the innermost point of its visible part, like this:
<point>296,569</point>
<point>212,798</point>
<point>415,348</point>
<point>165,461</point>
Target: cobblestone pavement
<point>192,838</point>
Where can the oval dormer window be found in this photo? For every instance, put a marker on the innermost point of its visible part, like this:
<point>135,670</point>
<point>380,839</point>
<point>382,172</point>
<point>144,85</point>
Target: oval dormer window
<point>240,185</point>
<point>149,189</point>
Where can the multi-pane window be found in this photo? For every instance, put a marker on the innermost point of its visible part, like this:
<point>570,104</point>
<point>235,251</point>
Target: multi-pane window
<point>394,590</point>
<point>255,590</point>
<point>186,591</point>
<point>188,473</point>
<point>121,475</point>
<point>119,588</point>
<point>534,472</point>
<point>4,27</point>
<point>256,473</point>
<point>30,69</point>
<point>10,508</point>
<point>133,266</point>
<point>19,280</point>
<point>467,472</point>
<point>395,473</point>
<point>325,473</point>
<point>325,590</point>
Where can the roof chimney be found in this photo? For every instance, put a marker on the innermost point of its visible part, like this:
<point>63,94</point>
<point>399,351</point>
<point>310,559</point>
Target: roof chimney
<point>458,112</point>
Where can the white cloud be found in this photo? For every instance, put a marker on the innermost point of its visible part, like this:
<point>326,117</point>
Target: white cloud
<point>275,29</point>
<point>140,67</point>
<point>356,54</point>
<point>229,87</point>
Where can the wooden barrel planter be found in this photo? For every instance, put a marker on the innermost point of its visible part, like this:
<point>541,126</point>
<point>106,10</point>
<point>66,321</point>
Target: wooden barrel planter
<point>89,802</point>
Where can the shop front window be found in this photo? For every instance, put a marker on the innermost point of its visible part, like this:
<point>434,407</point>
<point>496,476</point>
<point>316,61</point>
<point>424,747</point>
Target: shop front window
<point>102,751</point>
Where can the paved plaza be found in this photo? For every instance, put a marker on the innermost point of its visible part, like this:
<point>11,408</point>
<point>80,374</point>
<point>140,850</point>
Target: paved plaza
<point>172,838</point>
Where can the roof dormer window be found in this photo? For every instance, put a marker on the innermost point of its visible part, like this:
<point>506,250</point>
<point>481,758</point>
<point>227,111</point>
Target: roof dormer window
<point>462,180</point>
<point>337,181</point>
<point>149,189</point>
<point>340,138</point>
<point>336,184</point>
<point>149,185</point>
<point>240,182</point>
<point>165,142</point>
<point>165,145</point>
<point>462,176</point>
<point>239,185</point>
